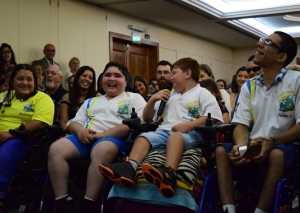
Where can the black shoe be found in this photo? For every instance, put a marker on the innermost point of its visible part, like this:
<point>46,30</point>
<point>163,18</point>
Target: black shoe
<point>64,205</point>
<point>163,177</point>
<point>89,206</point>
<point>121,173</point>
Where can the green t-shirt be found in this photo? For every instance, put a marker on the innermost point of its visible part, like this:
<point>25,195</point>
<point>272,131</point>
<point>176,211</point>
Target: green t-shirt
<point>39,107</point>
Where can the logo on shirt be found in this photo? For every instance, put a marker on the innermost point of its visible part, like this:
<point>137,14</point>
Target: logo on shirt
<point>287,101</point>
<point>123,109</point>
<point>28,108</point>
<point>193,109</point>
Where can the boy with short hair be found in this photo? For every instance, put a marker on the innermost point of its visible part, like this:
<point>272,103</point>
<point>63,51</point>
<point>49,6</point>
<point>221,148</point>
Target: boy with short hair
<point>187,107</point>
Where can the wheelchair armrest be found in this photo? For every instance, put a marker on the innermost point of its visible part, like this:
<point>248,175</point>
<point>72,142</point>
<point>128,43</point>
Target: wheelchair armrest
<point>217,133</point>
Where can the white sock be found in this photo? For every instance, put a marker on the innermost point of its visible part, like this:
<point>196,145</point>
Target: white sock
<point>88,198</point>
<point>258,210</point>
<point>229,207</point>
<point>133,163</point>
<point>62,197</point>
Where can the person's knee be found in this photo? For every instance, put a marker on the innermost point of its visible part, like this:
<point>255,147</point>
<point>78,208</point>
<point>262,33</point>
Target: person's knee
<point>57,150</point>
<point>105,151</point>
<point>276,157</point>
<point>220,152</point>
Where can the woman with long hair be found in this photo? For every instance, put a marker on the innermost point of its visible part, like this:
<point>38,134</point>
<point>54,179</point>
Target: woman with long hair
<point>23,111</point>
<point>211,85</point>
<point>84,87</point>
<point>7,64</point>
<point>140,86</point>
<point>238,79</point>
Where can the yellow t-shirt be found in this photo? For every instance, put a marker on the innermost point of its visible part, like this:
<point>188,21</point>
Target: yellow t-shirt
<point>39,107</point>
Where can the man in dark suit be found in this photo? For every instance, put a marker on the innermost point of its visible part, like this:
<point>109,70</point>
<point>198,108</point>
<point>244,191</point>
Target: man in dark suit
<point>49,54</point>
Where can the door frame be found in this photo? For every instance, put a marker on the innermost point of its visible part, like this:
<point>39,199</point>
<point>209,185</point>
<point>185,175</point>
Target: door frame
<point>154,46</point>
<point>127,38</point>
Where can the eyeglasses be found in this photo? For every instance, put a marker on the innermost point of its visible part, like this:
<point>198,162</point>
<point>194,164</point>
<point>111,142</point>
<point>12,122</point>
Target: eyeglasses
<point>269,42</point>
<point>253,69</point>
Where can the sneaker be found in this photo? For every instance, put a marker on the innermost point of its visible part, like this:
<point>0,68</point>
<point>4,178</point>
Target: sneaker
<point>89,206</point>
<point>163,177</point>
<point>121,173</point>
<point>64,205</point>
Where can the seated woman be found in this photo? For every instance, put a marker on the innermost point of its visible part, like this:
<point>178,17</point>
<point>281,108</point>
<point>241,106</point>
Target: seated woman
<point>83,88</point>
<point>141,87</point>
<point>213,88</point>
<point>238,79</point>
<point>97,132</point>
<point>23,111</point>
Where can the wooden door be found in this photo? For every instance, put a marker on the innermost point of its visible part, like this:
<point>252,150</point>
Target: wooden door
<point>140,59</point>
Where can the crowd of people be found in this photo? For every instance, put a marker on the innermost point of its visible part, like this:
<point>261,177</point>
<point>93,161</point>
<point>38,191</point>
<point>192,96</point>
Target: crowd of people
<point>262,100</point>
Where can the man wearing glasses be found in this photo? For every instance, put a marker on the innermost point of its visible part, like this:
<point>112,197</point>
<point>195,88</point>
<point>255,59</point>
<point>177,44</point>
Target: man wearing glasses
<point>267,122</point>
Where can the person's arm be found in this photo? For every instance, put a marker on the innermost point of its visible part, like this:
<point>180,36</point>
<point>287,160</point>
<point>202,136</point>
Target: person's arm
<point>149,111</point>
<point>120,131</point>
<point>189,125</point>
<point>288,136</point>
<point>241,135</point>
<point>85,135</point>
<point>241,138</point>
<point>64,112</point>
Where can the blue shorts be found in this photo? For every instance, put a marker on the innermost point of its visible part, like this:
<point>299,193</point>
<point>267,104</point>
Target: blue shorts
<point>85,149</point>
<point>289,151</point>
<point>160,137</point>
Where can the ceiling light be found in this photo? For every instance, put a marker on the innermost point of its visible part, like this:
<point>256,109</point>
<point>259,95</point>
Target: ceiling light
<point>292,18</point>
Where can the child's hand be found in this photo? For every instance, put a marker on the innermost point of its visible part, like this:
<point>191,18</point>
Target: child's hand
<point>160,95</point>
<point>183,127</point>
<point>236,157</point>
<point>86,135</point>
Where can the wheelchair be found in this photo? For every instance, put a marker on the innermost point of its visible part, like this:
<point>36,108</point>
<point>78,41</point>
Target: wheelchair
<point>27,188</point>
<point>287,193</point>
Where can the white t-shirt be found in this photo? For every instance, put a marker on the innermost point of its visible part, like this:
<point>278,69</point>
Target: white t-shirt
<point>100,113</point>
<point>275,109</point>
<point>226,98</point>
<point>189,106</point>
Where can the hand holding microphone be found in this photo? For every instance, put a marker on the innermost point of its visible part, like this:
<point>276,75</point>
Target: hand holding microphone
<point>163,95</point>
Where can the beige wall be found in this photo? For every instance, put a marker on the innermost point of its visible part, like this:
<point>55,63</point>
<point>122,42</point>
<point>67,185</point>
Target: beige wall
<point>79,29</point>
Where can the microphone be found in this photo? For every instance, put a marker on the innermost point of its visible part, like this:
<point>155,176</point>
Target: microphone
<point>163,85</point>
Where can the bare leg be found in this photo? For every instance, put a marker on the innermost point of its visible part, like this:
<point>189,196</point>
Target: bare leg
<point>58,167</point>
<point>104,152</point>
<point>140,149</point>
<point>224,176</point>
<point>175,147</point>
<point>274,173</point>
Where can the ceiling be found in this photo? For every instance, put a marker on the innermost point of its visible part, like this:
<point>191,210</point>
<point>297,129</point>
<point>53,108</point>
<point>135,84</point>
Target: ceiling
<point>233,23</point>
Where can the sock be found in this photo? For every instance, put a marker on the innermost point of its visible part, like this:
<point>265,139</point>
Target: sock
<point>230,208</point>
<point>133,163</point>
<point>61,197</point>
<point>88,198</point>
<point>258,210</point>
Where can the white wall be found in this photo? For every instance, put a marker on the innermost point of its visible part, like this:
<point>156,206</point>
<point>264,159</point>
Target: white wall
<point>82,30</point>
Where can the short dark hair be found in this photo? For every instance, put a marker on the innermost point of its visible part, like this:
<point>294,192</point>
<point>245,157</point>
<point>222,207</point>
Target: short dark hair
<point>207,70</point>
<point>124,70</point>
<point>164,63</point>
<point>288,46</point>
<point>189,63</point>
